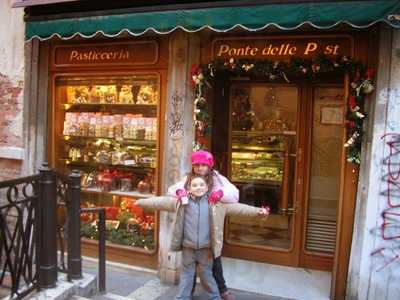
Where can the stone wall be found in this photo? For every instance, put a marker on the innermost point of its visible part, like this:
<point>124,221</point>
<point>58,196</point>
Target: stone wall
<point>11,89</point>
<point>374,270</point>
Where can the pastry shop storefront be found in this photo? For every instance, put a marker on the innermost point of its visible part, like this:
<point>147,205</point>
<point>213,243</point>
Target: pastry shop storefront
<point>278,99</point>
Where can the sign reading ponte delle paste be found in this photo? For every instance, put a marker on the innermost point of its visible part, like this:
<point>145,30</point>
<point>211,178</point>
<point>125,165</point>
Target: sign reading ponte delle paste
<point>282,48</point>
<point>133,53</point>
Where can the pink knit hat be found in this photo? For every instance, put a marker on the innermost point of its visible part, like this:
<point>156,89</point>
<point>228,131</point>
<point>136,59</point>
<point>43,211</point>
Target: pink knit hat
<point>203,157</point>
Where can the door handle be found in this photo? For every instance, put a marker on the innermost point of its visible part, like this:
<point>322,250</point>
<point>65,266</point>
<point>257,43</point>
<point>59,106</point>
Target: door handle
<point>288,211</point>
<point>299,154</point>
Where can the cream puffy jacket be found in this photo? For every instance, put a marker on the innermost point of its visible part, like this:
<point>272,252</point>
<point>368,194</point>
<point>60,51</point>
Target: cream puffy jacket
<point>217,218</point>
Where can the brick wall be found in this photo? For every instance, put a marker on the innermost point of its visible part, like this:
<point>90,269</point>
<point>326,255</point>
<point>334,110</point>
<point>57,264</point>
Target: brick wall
<point>10,168</point>
<point>10,110</point>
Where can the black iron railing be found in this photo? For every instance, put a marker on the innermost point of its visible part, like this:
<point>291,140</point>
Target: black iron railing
<point>18,242</point>
<point>39,220</point>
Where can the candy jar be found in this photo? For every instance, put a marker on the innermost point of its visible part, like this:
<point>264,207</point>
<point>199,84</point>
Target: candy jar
<point>126,184</point>
<point>146,185</point>
<point>116,180</point>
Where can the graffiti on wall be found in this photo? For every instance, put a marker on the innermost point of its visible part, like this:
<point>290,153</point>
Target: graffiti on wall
<point>389,229</point>
<point>175,125</point>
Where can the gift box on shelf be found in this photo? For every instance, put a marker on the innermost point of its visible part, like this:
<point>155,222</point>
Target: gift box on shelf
<point>104,180</point>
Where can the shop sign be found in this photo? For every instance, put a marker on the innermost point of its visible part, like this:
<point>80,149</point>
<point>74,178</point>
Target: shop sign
<point>132,53</point>
<point>282,47</point>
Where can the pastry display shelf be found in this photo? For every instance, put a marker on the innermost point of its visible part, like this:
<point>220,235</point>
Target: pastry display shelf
<point>257,181</point>
<point>251,167</point>
<point>258,161</point>
<point>81,140</point>
<point>137,168</point>
<point>133,194</point>
<point>248,148</point>
<point>262,133</point>
<point>145,109</point>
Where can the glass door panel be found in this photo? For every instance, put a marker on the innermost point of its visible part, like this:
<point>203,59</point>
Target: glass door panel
<point>263,142</point>
<point>324,186</point>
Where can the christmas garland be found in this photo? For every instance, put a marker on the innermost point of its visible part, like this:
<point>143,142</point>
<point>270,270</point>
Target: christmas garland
<point>120,236</point>
<point>298,68</point>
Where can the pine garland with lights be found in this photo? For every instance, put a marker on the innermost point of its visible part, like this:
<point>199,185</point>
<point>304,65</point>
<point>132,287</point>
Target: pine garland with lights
<point>298,68</point>
<point>119,236</point>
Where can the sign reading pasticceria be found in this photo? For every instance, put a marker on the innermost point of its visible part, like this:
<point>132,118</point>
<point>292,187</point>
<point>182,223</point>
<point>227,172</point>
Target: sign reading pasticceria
<point>279,48</point>
<point>132,53</point>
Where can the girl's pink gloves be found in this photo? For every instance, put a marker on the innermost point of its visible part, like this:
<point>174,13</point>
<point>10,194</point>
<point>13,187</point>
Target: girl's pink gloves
<point>215,196</point>
<point>182,196</point>
<point>264,211</point>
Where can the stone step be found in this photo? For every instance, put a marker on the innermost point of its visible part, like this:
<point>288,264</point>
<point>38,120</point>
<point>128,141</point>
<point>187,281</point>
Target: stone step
<point>75,297</point>
<point>111,296</point>
<point>64,289</point>
<point>151,290</point>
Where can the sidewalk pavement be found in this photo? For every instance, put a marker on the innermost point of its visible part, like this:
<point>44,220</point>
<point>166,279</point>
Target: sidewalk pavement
<point>130,283</point>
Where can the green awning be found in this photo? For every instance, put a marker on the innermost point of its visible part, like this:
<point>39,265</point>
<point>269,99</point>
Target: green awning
<point>359,14</point>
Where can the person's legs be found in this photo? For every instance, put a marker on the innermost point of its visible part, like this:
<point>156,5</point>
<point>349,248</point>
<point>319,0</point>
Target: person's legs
<point>205,260</point>
<point>187,274</point>
<point>219,275</point>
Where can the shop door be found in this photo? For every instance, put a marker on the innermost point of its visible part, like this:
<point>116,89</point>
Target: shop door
<point>260,152</point>
<point>281,145</point>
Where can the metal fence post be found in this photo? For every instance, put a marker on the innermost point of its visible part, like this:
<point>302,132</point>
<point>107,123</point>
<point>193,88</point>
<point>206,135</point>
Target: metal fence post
<point>101,211</point>
<point>74,227</point>
<point>47,206</point>
<point>102,250</point>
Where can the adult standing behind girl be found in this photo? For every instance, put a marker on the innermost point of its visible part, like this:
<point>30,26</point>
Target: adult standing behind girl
<point>221,189</point>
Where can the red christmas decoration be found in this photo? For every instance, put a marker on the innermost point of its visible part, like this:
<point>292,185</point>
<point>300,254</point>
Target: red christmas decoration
<point>370,74</point>
<point>194,72</point>
<point>351,124</point>
<point>352,102</point>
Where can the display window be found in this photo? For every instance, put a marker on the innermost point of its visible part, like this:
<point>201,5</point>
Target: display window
<point>107,127</point>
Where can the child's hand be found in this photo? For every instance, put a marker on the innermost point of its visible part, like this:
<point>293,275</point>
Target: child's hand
<point>264,211</point>
<point>182,196</point>
<point>215,196</point>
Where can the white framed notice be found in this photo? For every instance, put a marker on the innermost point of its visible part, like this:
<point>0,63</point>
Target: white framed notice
<point>332,114</point>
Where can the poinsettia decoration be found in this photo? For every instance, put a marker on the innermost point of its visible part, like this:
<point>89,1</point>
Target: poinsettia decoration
<point>298,68</point>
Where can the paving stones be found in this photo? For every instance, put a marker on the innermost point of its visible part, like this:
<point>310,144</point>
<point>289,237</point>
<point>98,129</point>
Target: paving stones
<point>130,283</point>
